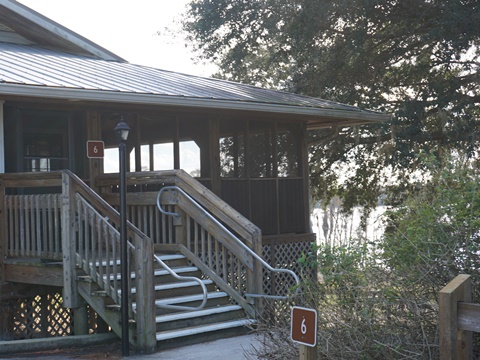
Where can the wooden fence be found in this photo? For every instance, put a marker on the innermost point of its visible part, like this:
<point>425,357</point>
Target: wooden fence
<point>458,318</point>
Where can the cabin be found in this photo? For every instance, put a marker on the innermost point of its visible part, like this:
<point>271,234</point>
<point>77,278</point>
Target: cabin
<point>216,190</point>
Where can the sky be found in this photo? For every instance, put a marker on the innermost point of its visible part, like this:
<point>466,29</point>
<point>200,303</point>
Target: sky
<point>129,29</point>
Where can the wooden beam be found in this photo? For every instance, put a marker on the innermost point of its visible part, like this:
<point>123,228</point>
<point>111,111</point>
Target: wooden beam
<point>151,155</point>
<point>308,352</point>
<point>214,132</point>
<point>138,144</point>
<point>469,316</point>
<point>59,342</point>
<point>70,292</point>
<point>455,344</point>
<point>37,275</point>
<point>145,319</point>
<point>3,232</point>
<point>94,132</point>
<point>304,173</point>
<point>176,145</point>
<point>80,320</point>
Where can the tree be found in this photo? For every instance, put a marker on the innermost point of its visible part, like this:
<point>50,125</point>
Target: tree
<point>415,59</point>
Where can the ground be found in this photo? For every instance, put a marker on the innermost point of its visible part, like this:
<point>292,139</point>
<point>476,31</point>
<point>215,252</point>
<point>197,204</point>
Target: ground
<point>111,351</point>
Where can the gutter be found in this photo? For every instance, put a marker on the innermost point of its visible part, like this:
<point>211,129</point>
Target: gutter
<point>73,95</point>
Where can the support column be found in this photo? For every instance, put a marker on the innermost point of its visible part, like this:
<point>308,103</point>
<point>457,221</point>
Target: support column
<point>303,168</point>
<point>80,320</point>
<point>2,139</point>
<point>215,155</point>
<point>70,292</point>
<point>138,145</point>
<point>6,319</point>
<point>94,132</point>
<point>176,144</point>
<point>3,233</point>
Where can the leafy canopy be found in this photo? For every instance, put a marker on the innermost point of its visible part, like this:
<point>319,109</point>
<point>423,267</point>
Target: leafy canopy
<point>415,59</point>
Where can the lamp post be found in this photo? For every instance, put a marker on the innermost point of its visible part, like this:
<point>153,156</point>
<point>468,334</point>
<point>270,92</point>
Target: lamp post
<point>121,131</point>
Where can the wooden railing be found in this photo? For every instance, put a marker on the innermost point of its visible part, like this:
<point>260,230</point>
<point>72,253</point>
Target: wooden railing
<point>33,226</point>
<point>30,218</point>
<point>218,251</point>
<point>93,243</point>
<point>458,318</point>
<point>89,236</point>
<point>204,244</point>
<point>57,216</point>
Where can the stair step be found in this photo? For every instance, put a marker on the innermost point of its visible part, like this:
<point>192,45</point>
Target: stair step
<point>176,285</point>
<point>186,299</point>
<point>172,334</point>
<point>160,272</point>
<point>113,307</point>
<point>110,263</point>
<point>100,293</point>
<point>170,257</point>
<point>193,314</point>
<point>190,298</point>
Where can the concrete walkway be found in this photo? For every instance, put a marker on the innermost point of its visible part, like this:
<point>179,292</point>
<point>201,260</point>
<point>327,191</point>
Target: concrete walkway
<point>236,348</point>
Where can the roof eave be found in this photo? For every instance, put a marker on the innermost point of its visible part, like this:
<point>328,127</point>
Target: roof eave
<point>73,95</point>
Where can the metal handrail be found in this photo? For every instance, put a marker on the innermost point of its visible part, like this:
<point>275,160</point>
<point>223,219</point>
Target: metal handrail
<point>241,243</point>
<point>183,278</point>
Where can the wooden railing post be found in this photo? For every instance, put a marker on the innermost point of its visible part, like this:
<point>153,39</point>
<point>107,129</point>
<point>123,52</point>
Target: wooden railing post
<point>255,276</point>
<point>70,293</point>
<point>455,344</point>
<point>180,226</point>
<point>3,232</point>
<point>145,319</point>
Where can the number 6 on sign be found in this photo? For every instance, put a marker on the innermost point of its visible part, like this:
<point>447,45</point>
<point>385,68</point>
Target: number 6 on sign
<point>304,326</point>
<point>95,149</point>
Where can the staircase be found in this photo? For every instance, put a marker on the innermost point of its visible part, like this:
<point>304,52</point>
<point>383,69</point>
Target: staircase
<point>196,234</point>
<point>208,241</point>
<point>219,318</point>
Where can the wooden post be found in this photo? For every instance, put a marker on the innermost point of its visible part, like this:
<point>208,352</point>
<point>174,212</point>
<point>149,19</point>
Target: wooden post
<point>138,143</point>
<point>176,144</point>
<point>301,137</point>
<point>94,132</point>
<point>455,344</point>
<point>180,226</point>
<point>146,327</point>
<point>80,320</point>
<point>70,294</point>
<point>214,126</point>
<point>255,277</point>
<point>3,233</point>
<point>308,352</point>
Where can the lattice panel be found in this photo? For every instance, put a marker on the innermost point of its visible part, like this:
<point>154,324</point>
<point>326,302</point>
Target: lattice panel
<point>41,316</point>
<point>58,317</point>
<point>284,255</point>
<point>44,316</point>
<point>27,319</point>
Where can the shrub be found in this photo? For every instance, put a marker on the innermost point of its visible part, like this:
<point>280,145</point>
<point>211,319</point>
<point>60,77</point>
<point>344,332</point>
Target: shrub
<point>378,301</point>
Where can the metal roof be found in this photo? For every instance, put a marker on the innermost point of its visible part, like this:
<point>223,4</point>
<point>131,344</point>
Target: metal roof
<point>34,71</point>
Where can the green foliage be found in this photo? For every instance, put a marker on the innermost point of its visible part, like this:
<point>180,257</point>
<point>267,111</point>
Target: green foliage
<point>415,59</point>
<point>379,301</point>
<point>435,234</point>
